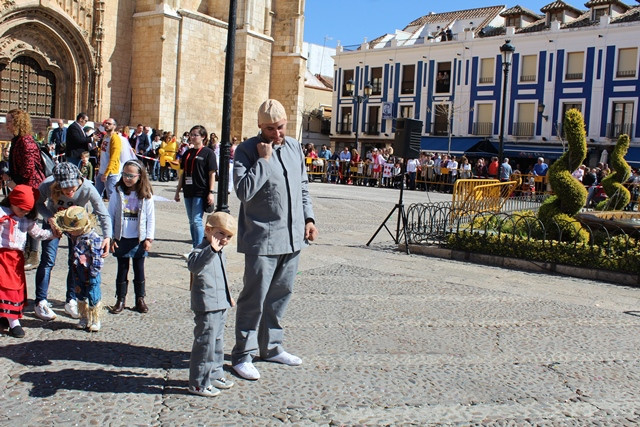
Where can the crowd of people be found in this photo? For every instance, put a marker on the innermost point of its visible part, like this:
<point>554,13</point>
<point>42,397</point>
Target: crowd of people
<point>439,171</point>
<point>271,235</point>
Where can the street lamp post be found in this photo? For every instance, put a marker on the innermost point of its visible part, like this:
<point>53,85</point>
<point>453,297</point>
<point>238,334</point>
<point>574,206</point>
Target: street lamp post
<point>358,99</point>
<point>507,50</point>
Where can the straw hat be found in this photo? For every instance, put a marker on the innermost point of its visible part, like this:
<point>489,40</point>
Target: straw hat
<point>75,218</point>
<point>223,220</point>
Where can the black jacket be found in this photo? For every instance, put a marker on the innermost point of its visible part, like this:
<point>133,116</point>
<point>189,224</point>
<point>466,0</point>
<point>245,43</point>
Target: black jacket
<point>77,141</point>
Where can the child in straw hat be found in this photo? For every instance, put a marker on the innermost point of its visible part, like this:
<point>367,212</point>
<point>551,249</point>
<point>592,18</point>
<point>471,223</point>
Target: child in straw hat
<point>210,299</point>
<point>79,225</point>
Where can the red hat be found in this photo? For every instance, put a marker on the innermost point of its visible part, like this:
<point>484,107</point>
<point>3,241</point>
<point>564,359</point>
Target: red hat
<point>24,196</point>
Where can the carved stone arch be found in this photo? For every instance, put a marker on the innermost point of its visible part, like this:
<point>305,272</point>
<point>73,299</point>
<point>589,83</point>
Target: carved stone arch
<point>58,45</point>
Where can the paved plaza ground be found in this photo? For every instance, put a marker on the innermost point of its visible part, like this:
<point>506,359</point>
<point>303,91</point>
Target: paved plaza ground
<point>386,338</point>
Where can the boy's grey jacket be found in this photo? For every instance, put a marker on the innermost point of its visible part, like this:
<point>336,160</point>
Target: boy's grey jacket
<point>146,216</point>
<point>86,194</point>
<point>209,290</point>
<point>274,196</point>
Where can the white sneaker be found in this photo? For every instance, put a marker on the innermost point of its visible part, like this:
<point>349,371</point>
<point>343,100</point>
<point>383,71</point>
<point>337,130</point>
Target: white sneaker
<point>43,311</point>
<point>247,371</point>
<point>71,308</point>
<point>222,383</point>
<point>186,256</point>
<point>210,391</point>
<point>286,359</point>
<point>94,327</point>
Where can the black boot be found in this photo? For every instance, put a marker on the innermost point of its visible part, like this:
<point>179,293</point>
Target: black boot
<point>121,294</point>
<point>139,288</point>
<point>119,305</point>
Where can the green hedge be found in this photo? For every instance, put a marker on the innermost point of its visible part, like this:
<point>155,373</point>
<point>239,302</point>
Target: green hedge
<point>621,254</point>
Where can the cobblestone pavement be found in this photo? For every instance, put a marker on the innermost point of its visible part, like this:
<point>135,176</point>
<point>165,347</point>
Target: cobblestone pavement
<point>386,338</point>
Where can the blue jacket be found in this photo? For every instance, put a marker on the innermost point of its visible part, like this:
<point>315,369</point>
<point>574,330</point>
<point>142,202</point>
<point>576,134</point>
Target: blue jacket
<point>274,198</point>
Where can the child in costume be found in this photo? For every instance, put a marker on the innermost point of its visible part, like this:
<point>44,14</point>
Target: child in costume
<point>133,217</point>
<point>17,218</point>
<point>86,264</point>
<point>210,299</point>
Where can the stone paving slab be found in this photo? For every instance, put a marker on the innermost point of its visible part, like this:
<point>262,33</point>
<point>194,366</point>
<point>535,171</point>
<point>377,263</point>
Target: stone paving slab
<point>386,339</point>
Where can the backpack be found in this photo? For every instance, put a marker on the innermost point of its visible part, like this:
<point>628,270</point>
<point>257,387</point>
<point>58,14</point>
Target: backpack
<point>47,162</point>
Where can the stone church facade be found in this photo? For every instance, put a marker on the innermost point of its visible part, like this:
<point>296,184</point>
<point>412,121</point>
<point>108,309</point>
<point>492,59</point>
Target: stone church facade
<point>158,62</point>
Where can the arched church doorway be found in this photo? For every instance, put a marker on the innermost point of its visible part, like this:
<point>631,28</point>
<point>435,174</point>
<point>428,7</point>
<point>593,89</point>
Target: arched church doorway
<point>25,85</point>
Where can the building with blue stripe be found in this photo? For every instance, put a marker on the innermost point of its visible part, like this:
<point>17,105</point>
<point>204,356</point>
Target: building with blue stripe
<point>446,70</point>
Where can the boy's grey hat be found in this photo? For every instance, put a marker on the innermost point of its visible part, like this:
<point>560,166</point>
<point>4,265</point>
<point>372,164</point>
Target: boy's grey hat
<point>66,174</point>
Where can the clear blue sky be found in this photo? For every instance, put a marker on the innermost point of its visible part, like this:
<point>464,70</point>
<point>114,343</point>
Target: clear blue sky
<point>350,21</point>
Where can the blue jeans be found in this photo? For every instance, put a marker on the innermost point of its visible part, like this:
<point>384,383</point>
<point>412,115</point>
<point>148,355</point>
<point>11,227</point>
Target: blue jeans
<point>112,180</point>
<point>99,184</point>
<point>88,287</point>
<point>155,170</point>
<point>47,261</point>
<point>195,210</point>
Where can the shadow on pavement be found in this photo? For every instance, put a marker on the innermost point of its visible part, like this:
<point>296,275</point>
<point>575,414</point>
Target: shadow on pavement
<point>43,352</point>
<point>47,383</point>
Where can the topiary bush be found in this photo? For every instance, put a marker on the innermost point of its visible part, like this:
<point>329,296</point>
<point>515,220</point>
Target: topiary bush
<point>570,195</point>
<point>619,196</point>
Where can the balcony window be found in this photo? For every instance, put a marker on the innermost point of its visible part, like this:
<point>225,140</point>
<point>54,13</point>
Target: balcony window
<point>441,121</point>
<point>406,111</point>
<point>627,62</point>
<point>621,120</point>
<point>346,76</point>
<point>372,127</point>
<point>408,79</point>
<point>443,77</point>
<point>346,120</point>
<point>483,124</point>
<point>528,69</point>
<point>575,66</point>
<point>526,118</point>
<point>487,70</point>
<point>376,81</point>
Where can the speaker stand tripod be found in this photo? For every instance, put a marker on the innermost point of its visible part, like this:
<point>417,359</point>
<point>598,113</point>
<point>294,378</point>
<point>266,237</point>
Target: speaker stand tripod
<point>401,225</point>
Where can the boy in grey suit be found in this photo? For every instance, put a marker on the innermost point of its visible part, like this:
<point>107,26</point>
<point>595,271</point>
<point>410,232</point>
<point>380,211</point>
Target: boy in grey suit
<point>210,299</point>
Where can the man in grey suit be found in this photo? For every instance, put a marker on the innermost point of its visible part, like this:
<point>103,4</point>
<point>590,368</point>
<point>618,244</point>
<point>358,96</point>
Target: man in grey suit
<point>274,223</point>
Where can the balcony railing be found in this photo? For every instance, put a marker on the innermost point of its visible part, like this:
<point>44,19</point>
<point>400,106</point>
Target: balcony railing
<point>528,78</point>
<point>614,130</point>
<point>440,129</point>
<point>626,73</point>
<point>573,76</point>
<point>523,129</point>
<point>344,128</point>
<point>407,87</point>
<point>442,86</point>
<point>483,128</point>
<point>372,128</point>
<point>486,80</point>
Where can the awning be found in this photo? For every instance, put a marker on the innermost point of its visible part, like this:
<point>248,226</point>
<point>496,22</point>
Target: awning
<point>530,151</point>
<point>633,156</point>
<point>484,148</point>
<point>440,144</point>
